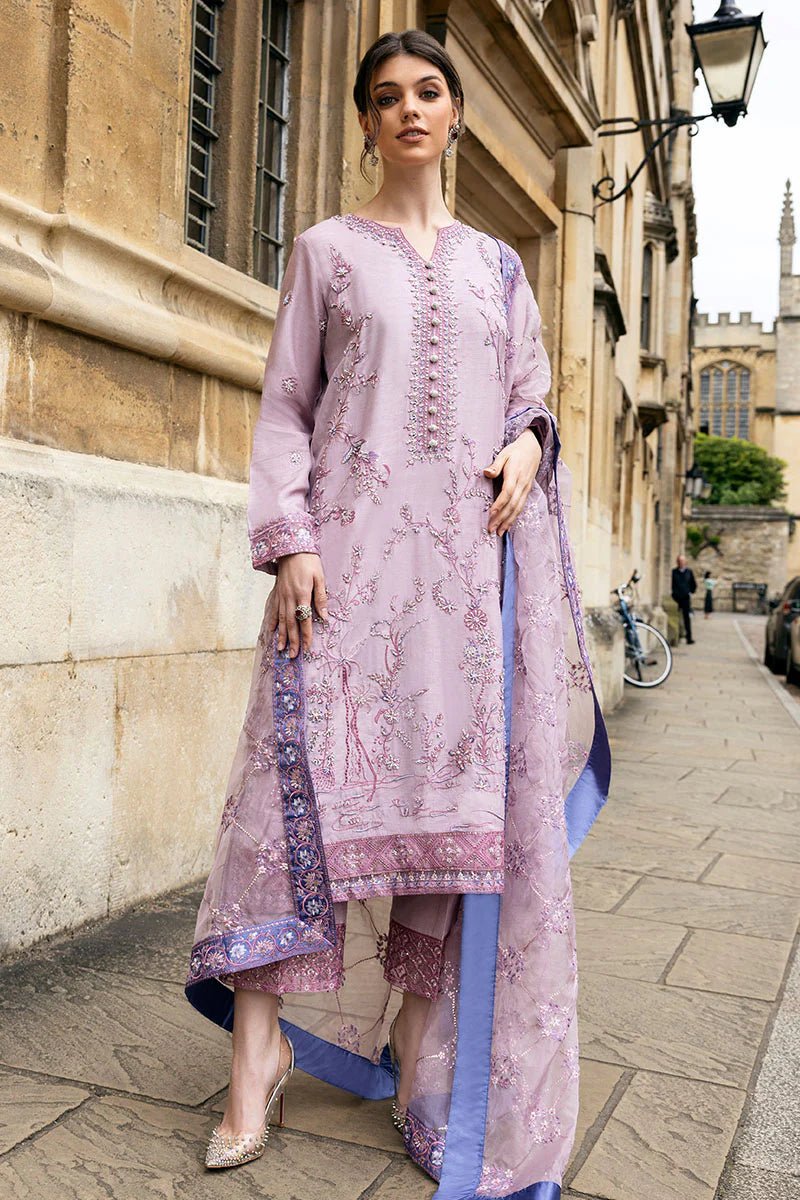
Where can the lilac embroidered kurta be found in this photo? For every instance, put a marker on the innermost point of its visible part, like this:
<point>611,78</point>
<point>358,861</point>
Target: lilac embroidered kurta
<point>436,738</point>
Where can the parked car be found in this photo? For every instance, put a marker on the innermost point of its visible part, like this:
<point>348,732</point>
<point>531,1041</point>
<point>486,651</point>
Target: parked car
<point>784,613</point>
<point>793,654</point>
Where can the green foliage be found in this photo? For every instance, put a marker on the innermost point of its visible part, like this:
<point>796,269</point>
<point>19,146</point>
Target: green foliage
<point>739,471</point>
<point>698,538</point>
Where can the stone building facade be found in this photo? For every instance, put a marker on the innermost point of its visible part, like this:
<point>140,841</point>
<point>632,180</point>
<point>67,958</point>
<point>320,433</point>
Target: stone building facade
<point>746,382</point>
<point>156,161</point>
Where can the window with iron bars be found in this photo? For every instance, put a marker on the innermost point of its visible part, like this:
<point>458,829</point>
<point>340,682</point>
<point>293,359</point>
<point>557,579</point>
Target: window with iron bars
<point>202,132</point>
<point>273,120</point>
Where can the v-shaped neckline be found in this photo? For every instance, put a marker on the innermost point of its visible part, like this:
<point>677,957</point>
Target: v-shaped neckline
<point>398,230</point>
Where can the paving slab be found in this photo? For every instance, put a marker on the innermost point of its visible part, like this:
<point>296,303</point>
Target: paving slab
<point>402,1181</point>
<point>625,946</point>
<point>766,799</point>
<point>28,1104</point>
<point>676,1031</point>
<point>615,849</point>
<point>665,1140</point>
<point>739,870</point>
<point>115,1146</point>
<point>760,843</point>
<point>319,1108</point>
<point>600,888</point>
<point>597,1082</point>
<point>709,906</point>
<point>124,1032</point>
<point>731,963</point>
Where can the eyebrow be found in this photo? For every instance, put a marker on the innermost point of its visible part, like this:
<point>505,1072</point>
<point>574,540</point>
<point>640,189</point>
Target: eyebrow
<point>391,83</point>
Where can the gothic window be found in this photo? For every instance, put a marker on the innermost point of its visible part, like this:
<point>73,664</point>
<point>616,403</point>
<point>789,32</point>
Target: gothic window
<point>725,400</point>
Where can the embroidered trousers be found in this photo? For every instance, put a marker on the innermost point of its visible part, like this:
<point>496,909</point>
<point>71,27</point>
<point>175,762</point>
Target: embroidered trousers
<point>418,927</point>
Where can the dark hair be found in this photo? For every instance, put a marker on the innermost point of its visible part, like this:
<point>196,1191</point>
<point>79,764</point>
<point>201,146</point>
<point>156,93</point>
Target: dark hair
<point>410,41</point>
<point>707,575</point>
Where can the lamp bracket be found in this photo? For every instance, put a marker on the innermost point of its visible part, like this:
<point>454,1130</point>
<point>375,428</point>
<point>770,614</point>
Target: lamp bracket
<point>632,125</point>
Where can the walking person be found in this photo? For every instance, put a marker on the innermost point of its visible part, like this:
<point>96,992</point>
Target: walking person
<point>708,600</point>
<point>422,750</point>
<point>684,585</point>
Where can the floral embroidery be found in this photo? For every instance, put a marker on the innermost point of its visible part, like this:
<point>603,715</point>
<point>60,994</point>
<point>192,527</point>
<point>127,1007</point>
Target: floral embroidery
<point>505,1071</point>
<point>292,534</point>
<point>424,1145</point>
<point>322,971</point>
<point>303,836</point>
<point>543,1124</point>
<point>554,1020</point>
<point>432,396</point>
<point>413,961</point>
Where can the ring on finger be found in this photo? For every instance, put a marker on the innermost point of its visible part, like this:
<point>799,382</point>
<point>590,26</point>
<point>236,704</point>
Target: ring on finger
<point>303,612</point>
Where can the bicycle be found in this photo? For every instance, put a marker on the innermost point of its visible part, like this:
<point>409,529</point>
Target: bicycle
<point>648,658</point>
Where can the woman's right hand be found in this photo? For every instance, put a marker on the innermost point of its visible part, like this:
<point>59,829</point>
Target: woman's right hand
<point>299,577</point>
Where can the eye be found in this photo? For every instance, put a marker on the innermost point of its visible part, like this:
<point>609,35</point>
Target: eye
<point>431,92</point>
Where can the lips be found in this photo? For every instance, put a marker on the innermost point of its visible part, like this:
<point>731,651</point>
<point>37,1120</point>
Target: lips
<point>412,135</point>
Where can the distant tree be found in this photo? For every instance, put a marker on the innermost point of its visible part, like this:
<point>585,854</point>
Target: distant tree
<point>739,472</point>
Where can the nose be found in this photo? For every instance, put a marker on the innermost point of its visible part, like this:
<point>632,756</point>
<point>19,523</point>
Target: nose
<point>410,109</point>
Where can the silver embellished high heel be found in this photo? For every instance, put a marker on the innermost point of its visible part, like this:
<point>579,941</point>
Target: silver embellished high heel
<point>231,1150</point>
<point>398,1110</point>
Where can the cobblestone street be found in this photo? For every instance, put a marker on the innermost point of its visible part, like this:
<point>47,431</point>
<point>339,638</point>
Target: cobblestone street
<point>688,896</point>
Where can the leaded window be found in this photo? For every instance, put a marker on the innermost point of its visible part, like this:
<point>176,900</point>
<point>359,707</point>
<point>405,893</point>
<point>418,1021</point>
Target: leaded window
<point>202,131</point>
<point>725,400</point>
<point>273,119</point>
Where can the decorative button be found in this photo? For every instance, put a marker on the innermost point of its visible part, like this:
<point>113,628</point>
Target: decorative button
<point>433,374</point>
<point>432,409</point>
<point>432,443</point>
<point>429,265</point>
<point>433,290</point>
<point>434,303</point>
<point>433,392</point>
<point>433,358</point>
<point>432,426</point>
<point>434,340</point>
<point>434,320</point>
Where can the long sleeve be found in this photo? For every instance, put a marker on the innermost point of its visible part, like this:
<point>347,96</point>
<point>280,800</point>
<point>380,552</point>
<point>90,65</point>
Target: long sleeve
<point>528,376</point>
<point>278,518</point>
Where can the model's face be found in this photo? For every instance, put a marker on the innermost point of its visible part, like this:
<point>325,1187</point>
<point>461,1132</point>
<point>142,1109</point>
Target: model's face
<point>410,92</point>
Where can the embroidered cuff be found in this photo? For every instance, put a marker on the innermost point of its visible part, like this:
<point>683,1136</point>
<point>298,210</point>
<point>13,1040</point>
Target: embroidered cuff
<point>530,418</point>
<point>293,534</point>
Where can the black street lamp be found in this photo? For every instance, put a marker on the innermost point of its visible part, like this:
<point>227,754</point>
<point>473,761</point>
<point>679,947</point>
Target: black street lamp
<point>697,486</point>
<point>728,50</point>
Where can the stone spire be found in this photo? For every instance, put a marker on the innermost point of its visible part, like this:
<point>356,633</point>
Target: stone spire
<point>786,237</point>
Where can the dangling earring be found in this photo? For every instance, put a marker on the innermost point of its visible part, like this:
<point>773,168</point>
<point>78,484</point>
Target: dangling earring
<point>368,145</point>
<point>452,134</point>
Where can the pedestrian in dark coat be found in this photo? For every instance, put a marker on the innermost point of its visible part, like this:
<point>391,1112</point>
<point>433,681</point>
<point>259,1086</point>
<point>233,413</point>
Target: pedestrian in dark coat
<point>708,601</point>
<point>683,585</point>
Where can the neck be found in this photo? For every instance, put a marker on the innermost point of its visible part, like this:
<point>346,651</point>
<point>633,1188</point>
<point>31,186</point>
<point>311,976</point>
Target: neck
<point>412,197</point>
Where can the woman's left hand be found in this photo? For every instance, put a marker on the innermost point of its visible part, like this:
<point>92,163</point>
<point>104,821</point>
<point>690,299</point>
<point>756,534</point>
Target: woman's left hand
<point>519,461</point>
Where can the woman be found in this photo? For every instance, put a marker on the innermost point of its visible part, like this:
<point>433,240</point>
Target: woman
<point>709,584</point>
<point>412,773</point>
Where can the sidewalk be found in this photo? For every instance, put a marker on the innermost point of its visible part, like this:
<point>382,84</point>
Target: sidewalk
<point>688,896</point>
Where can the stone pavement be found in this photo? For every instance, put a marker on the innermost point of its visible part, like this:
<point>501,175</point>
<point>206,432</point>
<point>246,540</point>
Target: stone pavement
<point>688,895</point>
